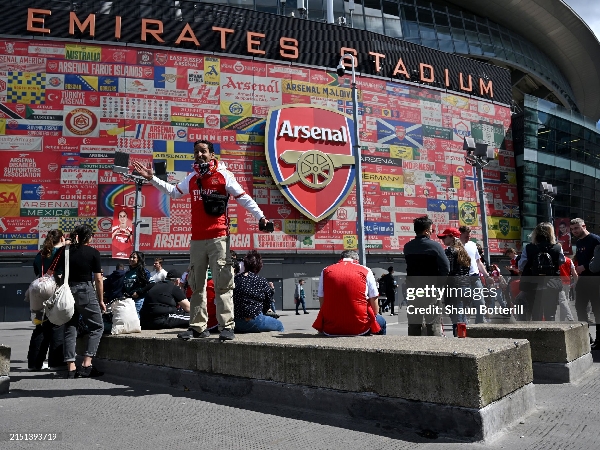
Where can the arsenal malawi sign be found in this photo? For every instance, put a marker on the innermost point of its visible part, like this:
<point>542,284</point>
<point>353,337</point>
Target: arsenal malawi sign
<point>310,154</point>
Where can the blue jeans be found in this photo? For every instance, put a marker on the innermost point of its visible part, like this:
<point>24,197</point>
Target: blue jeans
<point>138,305</point>
<point>301,302</point>
<point>458,318</point>
<point>273,306</point>
<point>477,284</point>
<point>382,323</point>
<point>258,324</point>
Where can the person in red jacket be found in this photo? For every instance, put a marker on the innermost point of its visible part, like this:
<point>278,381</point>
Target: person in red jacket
<point>349,299</point>
<point>210,185</point>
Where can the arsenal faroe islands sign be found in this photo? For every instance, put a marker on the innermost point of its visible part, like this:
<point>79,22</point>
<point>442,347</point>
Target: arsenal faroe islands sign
<point>310,154</point>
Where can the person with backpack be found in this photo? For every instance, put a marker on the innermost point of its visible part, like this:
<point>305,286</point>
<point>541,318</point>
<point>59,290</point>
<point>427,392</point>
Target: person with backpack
<point>540,280</point>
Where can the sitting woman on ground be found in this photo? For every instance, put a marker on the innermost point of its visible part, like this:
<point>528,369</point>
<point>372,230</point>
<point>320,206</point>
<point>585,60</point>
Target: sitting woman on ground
<point>84,260</point>
<point>46,336</point>
<point>251,295</point>
<point>458,278</point>
<point>137,280</point>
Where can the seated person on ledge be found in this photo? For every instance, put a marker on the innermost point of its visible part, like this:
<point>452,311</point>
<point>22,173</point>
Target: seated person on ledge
<point>348,297</point>
<point>159,310</point>
<point>253,293</point>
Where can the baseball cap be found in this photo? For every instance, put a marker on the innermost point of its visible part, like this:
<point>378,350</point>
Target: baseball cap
<point>173,274</point>
<point>449,232</point>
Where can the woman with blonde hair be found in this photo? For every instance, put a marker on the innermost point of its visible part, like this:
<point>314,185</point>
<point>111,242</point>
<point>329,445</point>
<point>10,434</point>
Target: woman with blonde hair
<point>540,280</point>
<point>458,277</point>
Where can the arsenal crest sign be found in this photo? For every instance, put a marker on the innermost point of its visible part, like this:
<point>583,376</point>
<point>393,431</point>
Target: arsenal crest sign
<point>310,154</point>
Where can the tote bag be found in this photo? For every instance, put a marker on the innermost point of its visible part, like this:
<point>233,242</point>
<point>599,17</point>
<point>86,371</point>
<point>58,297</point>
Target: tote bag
<point>42,288</point>
<point>61,306</point>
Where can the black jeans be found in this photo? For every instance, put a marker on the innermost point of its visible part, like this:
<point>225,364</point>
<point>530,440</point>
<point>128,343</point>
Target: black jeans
<point>46,336</point>
<point>86,304</point>
<point>587,290</point>
<point>164,322</point>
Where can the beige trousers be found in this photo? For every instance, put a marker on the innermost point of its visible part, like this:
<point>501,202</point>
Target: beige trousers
<point>213,253</point>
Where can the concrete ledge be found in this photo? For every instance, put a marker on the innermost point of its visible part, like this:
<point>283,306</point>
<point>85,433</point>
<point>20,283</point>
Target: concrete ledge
<point>554,346</point>
<point>4,369</point>
<point>458,372</point>
<point>468,424</point>
<point>481,383</point>
<point>562,372</point>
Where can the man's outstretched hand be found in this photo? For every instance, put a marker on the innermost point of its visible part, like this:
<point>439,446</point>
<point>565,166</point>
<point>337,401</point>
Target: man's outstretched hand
<point>265,226</point>
<point>145,172</point>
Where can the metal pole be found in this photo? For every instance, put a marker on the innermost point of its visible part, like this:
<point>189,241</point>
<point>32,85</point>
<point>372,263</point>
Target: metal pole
<point>482,213</point>
<point>360,222</point>
<point>550,218</point>
<point>138,213</point>
<point>330,18</point>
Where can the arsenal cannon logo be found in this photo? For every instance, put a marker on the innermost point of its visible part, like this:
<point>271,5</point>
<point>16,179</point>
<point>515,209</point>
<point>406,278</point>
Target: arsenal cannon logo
<point>310,154</point>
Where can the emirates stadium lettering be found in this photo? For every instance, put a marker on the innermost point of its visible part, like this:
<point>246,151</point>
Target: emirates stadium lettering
<point>152,31</point>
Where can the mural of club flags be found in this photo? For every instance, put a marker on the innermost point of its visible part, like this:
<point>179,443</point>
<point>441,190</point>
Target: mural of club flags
<point>63,121</point>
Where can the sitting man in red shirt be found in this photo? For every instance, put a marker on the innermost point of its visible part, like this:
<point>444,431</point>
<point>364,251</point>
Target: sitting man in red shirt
<point>348,297</point>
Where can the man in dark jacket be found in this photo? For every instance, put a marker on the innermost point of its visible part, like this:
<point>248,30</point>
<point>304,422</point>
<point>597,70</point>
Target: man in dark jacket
<point>426,268</point>
<point>159,310</point>
<point>388,284</point>
<point>113,285</point>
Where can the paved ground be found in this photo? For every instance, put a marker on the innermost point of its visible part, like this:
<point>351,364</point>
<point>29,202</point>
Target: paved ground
<point>117,413</point>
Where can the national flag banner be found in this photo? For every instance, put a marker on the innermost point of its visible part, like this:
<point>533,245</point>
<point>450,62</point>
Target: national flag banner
<point>511,211</point>
<point>26,87</point>
<point>468,213</point>
<point>33,128</point>
<point>179,156</point>
<point>491,134</point>
<point>81,82</point>
<point>10,200</point>
<point>504,228</point>
<point>399,133</point>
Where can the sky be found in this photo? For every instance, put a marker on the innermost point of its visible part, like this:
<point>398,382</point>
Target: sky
<point>589,11</point>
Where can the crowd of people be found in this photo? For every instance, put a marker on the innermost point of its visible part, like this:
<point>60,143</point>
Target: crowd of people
<point>453,278</point>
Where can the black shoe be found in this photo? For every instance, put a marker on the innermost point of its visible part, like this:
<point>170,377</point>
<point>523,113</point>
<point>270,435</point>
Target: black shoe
<point>306,312</point>
<point>297,313</point>
<point>71,374</point>
<point>226,335</point>
<point>88,372</point>
<point>191,333</point>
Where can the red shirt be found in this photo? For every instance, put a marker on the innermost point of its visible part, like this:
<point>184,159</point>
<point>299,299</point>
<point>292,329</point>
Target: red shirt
<point>565,271</point>
<point>346,310</point>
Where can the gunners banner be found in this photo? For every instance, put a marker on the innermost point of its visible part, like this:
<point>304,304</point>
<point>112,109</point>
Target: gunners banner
<point>309,152</point>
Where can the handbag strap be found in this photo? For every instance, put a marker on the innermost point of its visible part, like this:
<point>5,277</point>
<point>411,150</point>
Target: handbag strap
<point>54,262</point>
<point>67,264</point>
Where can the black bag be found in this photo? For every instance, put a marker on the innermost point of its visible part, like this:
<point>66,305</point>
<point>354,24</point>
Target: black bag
<point>215,204</point>
<point>543,265</point>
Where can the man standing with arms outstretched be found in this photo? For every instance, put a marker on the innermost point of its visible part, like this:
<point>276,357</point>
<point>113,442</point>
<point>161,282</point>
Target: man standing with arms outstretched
<point>210,185</point>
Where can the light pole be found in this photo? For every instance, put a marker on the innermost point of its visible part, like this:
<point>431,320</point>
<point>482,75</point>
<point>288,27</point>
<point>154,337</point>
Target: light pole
<point>549,194</point>
<point>479,155</point>
<point>360,219</point>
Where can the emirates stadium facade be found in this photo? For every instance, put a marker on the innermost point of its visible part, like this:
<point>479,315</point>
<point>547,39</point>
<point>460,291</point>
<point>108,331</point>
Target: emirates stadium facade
<point>81,80</point>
